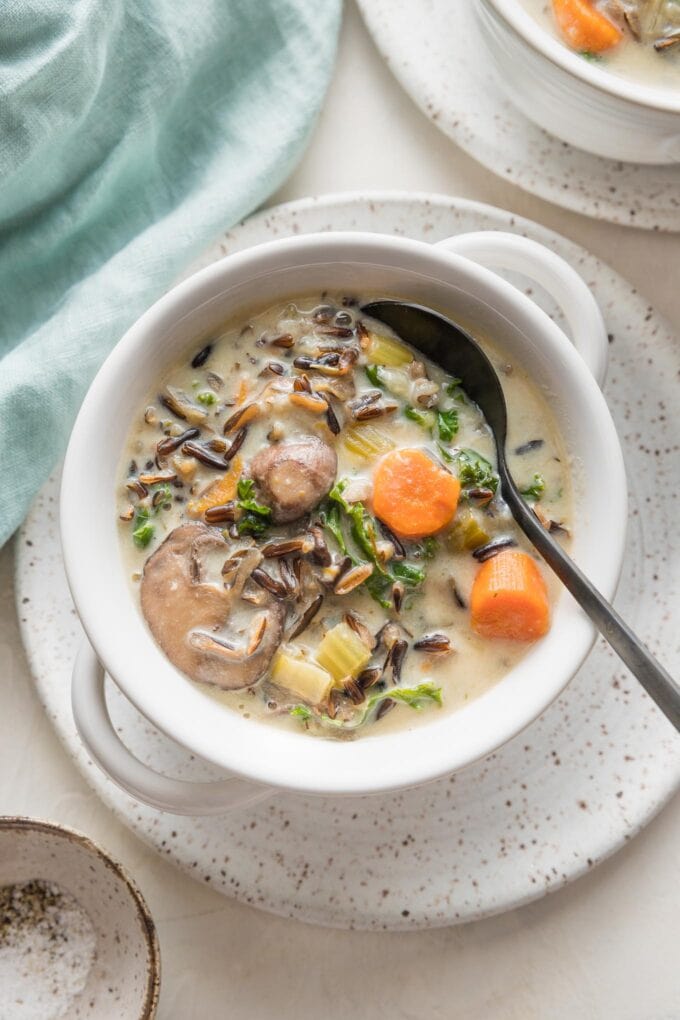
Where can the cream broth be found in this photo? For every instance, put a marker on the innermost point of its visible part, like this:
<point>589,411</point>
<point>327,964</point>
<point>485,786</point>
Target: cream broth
<point>255,366</point>
<point>637,60</point>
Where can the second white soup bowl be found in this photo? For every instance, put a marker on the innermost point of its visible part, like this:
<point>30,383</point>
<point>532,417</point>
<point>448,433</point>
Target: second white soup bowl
<point>258,759</point>
<point>576,99</point>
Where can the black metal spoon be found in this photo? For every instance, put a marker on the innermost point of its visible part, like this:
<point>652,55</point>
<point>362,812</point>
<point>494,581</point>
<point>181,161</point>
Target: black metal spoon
<point>448,345</point>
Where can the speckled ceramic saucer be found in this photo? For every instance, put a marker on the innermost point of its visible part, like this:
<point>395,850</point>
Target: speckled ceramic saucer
<point>565,794</point>
<point>433,49</point>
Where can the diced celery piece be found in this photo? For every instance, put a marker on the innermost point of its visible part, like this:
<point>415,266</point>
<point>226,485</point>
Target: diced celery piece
<point>367,441</point>
<point>305,679</point>
<point>384,350</point>
<point>467,533</point>
<point>342,652</point>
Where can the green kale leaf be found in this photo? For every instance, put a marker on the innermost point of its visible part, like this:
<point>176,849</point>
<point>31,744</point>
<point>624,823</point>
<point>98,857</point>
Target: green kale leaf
<point>427,547</point>
<point>475,471</point>
<point>374,375</point>
<point>535,489</point>
<point>301,712</point>
<point>425,419</point>
<point>414,697</point>
<point>256,517</point>
<point>330,519</point>
<point>447,424</point>
<point>363,530</point>
<point>164,501</point>
<point>143,529</point>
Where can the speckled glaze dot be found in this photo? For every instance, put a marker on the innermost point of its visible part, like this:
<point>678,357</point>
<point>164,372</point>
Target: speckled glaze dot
<point>569,791</point>
<point>437,61</point>
<point>68,889</point>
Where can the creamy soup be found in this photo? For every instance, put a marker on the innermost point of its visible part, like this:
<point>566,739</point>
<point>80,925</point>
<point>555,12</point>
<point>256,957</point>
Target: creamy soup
<point>637,39</point>
<point>310,517</point>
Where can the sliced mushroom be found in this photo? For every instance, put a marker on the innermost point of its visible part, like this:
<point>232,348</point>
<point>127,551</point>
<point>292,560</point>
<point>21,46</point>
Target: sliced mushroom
<point>190,617</point>
<point>238,568</point>
<point>294,477</point>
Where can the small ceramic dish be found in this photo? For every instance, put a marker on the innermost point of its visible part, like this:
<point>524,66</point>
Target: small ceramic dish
<point>76,937</point>
<point>573,98</point>
<point>446,276</point>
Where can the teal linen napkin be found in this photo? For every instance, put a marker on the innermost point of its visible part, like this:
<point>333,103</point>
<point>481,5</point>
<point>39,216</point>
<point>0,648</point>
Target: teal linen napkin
<point>131,133</point>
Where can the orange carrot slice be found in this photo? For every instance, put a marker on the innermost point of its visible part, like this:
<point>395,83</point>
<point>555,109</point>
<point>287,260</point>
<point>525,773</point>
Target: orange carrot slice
<point>412,495</point>
<point>584,27</point>
<point>509,598</point>
<point>242,392</point>
<point>219,492</point>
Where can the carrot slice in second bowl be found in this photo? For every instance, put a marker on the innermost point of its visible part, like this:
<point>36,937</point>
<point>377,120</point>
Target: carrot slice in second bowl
<point>584,27</point>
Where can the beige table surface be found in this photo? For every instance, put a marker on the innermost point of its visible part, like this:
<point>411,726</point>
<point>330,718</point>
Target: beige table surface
<point>605,947</point>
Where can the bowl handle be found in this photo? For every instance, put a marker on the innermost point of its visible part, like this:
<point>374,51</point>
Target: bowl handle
<point>498,250</point>
<point>98,734</point>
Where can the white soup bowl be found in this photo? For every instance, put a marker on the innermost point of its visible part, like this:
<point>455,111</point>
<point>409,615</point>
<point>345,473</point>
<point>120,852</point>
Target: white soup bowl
<point>576,99</point>
<point>257,757</point>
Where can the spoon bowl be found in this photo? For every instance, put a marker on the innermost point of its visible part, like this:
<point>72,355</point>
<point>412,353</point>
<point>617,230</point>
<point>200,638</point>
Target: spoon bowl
<point>454,350</point>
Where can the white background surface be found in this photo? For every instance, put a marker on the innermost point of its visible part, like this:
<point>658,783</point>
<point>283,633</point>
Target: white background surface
<point>606,947</point>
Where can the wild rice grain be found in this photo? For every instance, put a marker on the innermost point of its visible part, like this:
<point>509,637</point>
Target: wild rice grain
<point>399,649</point>
<point>353,691</point>
<point>533,444</point>
<point>232,422</point>
<point>306,617</point>
<point>320,553</point>
<point>285,547</point>
<point>437,643</point>
<point>200,359</point>
<point>384,707</point>
<point>225,512</point>
<point>368,677</point>
<point>171,443</point>
<point>203,455</point>
<point>264,580</point>
<point>283,340</point>
<point>360,629</point>
<point>353,578</point>
<point>485,552</point>
<point>236,443</point>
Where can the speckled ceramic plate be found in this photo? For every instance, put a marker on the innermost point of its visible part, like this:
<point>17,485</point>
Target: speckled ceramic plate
<point>433,49</point>
<point>562,796</point>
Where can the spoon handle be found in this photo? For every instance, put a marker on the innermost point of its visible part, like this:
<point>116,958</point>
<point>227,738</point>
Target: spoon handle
<point>658,683</point>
